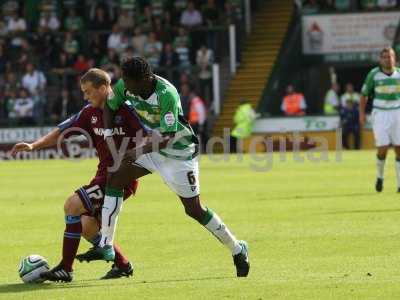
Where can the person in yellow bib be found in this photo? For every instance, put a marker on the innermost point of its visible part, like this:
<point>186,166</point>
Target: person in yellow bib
<point>244,121</point>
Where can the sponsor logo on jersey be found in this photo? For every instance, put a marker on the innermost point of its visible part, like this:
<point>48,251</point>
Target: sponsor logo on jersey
<point>94,120</point>
<point>169,118</point>
<point>115,131</point>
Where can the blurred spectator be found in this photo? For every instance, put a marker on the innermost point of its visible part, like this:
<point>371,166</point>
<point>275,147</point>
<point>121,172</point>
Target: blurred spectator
<point>129,5</point>
<point>210,13</point>
<point>11,84</point>
<point>332,100</point>
<point>350,95</point>
<point>16,24</point>
<point>293,103</point>
<point>185,96</point>
<point>97,48</point>
<point>197,115</point>
<point>73,22</point>
<point>368,4</point>
<point>146,19</point>
<point>110,59</point>
<point>152,50</point>
<point>114,39</point>
<point>3,29</point>
<point>71,45</point>
<point>158,7</point>
<point>22,108</point>
<point>310,7</point>
<point>3,61</point>
<point>204,60</point>
<point>243,120</point>
<point>191,17</point>
<point>64,106</point>
<point>100,20</point>
<point>186,79</point>
<point>49,21</point>
<point>34,80</point>
<point>139,40</point>
<point>181,45</point>
<point>82,64</point>
<point>169,58</point>
<point>162,32</point>
<point>126,21</point>
<point>385,4</point>
<point>349,117</point>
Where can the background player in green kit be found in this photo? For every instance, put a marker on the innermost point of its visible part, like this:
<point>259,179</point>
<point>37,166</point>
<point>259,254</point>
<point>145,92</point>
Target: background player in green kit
<point>157,103</point>
<point>383,86</point>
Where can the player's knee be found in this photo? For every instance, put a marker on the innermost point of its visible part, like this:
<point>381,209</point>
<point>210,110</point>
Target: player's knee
<point>73,206</point>
<point>195,211</point>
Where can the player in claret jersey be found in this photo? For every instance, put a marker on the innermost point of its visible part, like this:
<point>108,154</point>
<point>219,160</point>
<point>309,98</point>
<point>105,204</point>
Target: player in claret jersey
<point>83,208</point>
<point>158,106</point>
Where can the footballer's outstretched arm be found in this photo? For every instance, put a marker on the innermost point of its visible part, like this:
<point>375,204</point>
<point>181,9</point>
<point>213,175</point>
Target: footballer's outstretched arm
<point>48,140</point>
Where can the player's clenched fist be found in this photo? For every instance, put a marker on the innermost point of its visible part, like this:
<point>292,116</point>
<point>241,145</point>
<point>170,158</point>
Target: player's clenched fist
<point>20,147</point>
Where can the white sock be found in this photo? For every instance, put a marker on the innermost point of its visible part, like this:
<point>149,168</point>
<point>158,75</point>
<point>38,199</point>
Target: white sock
<point>222,233</point>
<point>380,167</point>
<point>109,218</point>
<point>398,172</point>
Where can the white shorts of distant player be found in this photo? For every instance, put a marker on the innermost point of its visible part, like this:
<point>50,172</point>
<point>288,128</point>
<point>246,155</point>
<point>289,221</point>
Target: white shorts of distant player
<point>386,127</point>
<point>182,176</point>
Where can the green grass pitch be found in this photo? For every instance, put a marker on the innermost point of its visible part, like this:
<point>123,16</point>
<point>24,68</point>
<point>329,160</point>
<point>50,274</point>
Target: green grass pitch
<point>315,231</point>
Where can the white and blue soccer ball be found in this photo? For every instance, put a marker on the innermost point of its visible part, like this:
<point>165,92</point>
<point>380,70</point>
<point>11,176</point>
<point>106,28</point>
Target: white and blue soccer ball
<point>31,267</point>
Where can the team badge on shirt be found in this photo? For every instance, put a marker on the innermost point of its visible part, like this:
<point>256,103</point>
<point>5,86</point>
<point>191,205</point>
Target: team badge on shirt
<point>94,120</point>
<point>169,118</point>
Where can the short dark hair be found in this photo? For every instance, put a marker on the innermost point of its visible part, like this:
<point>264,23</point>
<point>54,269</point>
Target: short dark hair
<point>387,49</point>
<point>136,68</point>
<point>97,77</point>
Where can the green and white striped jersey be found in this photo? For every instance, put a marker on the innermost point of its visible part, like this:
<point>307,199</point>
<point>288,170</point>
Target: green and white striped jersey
<point>383,88</point>
<point>162,112</point>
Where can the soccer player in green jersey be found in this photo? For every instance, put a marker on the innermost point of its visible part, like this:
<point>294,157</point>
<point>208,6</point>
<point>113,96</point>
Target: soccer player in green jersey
<point>383,86</point>
<point>157,103</point>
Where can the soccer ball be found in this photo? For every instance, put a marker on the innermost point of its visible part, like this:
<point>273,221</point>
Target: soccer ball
<point>31,267</point>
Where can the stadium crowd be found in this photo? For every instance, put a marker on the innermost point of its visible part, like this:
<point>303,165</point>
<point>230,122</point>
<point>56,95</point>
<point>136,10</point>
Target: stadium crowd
<point>46,45</point>
<point>315,6</point>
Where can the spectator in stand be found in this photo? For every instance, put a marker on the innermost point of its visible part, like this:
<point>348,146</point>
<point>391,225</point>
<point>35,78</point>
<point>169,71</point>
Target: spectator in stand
<point>3,29</point>
<point>152,50</point>
<point>386,4</point>
<point>210,13</point>
<point>185,96</point>
<point>311,7</point>
<point>146,19</point>
<point>64,106</point>
<point>349,116</point>
<point>139,40</point>
<point>23,108</point>
<point>49,21</point>
<point>332,100</point>
<point>97,48</point>
<point>16,26</point>
<point>71,45</point>
<point>34,80</point>
<point>126,21</point>
<point>10,103</point>
<point>11,84</point>
<point>81,65</point>
<point>204,60</point>
<point>197,115</point>
<point>169,62</point>
<point>181,45</point>
<point>368,4</point>
<point>162,33</point>
<point>115,39</point>
<point>73,22</point>
<point>100,20</point>
<point>3,61</point>
<point>62,67</point>
<point>186,79</point>
<point>293,103</point>
<point>191,17</point>
<point>350,95</point>
<point>110,59</point>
